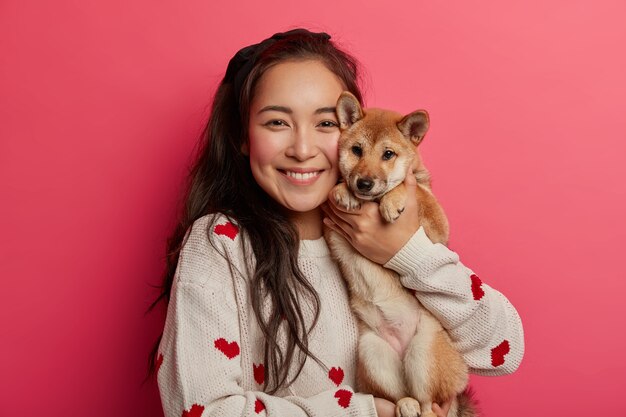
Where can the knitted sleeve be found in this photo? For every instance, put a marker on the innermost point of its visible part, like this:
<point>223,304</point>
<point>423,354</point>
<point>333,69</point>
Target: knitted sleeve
<point>199,366</point>
<point>483,324</point>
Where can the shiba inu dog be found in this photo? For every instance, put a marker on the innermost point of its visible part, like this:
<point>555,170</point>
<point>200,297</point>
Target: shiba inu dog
<point>404,354</point>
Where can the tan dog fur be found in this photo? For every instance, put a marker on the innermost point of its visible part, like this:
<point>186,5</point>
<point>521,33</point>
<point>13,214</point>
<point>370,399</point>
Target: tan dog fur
<point>404,355</point>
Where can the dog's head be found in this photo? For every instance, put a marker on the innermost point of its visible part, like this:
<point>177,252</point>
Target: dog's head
<point>376,146</point>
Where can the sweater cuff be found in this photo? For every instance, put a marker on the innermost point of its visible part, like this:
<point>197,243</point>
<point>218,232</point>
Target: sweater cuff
<point>366,405</point>
<point>419,255</point>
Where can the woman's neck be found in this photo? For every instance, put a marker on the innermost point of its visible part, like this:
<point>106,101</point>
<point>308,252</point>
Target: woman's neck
<point>309,224</point>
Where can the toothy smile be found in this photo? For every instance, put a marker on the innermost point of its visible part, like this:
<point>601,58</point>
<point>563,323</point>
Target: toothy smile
<point>302,176</point>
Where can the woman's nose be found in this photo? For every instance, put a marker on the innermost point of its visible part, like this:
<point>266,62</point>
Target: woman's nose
<point>303,145</point>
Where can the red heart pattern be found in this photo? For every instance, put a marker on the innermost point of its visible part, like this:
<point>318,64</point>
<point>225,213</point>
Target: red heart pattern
<point>195,411</point>
<point>343,398</point>
<point>159,362</point>
<point>259,373</point>
<point>258,406</point>
<point>498,352</point>
<point>227,229</point>
<point>231,349</point>
<point>477,290</point>
<point>336,375</point>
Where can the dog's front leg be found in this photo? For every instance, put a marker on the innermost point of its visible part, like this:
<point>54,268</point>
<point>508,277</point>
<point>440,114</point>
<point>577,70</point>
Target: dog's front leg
<point>392,204</point>
<point>344,198</point>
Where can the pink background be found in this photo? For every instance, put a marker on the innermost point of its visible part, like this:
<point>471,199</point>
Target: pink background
<point>100,107</point>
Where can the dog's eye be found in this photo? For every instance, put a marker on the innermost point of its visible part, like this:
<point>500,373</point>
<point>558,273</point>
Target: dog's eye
<point>388,155</point>
<point>357,150</point>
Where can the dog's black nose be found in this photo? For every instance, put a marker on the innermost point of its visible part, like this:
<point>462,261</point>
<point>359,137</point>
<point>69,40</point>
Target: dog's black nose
<point>364,184</point>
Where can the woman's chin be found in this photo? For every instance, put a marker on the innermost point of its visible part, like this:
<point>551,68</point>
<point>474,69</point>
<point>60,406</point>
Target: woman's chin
<point>304,206</point>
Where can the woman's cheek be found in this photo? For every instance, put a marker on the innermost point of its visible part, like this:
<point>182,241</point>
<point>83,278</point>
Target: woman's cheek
<point>264,146</point>
<point>333,155</point>
<point>333,150</point>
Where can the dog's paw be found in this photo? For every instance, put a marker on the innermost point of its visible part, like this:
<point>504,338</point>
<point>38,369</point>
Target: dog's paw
<point>390,210</point>
<point>344,198</point>
<point>408,407</point>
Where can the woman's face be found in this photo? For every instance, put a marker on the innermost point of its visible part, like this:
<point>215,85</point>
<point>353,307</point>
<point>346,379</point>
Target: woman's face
<point>293,133</point>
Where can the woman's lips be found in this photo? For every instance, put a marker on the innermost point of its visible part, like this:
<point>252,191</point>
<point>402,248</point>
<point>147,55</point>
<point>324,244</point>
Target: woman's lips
<point>301,177</point>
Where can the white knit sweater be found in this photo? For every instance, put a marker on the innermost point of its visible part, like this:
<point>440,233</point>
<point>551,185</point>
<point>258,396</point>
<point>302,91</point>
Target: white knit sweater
<point>210,357</point>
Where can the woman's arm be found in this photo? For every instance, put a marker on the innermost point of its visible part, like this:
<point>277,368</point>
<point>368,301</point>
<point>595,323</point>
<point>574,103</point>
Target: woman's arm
<point>200,360</point>
<point>483,324</point>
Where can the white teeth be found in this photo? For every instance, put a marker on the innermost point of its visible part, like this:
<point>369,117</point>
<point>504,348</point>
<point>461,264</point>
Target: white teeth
<point>302,176</point>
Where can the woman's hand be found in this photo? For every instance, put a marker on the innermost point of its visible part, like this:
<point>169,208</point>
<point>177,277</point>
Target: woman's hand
<point>385,408</point>
<point>442,411</point>
<point>368,232</point>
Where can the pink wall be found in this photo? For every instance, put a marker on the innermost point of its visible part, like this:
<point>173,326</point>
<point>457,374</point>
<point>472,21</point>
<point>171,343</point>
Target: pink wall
<point>100,105</point>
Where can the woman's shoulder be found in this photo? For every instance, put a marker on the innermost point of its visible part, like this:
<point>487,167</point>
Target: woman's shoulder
<point>212,240</point>
<point>212,218</point>
<point>210,255</point>
<point>213,227</point>
<point>212,237</point>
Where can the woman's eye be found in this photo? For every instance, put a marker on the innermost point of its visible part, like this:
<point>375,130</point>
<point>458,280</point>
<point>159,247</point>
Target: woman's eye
<point>387,155</point>
<point>276,123</point>
<point>357,150</point>
<point>328,124</point>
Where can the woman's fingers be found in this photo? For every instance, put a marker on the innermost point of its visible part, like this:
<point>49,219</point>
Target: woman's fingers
<point>352,216</point>
<point>442,411</point>
<point>337,224</point>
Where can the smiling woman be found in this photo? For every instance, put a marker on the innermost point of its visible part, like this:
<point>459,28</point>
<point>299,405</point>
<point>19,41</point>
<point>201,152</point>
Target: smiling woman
<point>292,140</point>
<point>258,318</point>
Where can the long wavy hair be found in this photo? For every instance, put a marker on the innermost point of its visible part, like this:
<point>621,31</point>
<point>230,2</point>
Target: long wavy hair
<point>220,181</point>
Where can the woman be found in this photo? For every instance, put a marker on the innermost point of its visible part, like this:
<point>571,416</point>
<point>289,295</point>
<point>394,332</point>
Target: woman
<point>258,318</point>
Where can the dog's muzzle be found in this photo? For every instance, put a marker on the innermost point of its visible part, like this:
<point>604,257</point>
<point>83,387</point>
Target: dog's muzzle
<point>364,184</point>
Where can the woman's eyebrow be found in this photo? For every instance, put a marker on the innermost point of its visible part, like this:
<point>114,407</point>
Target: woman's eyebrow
<point>276,108</point>
<point>287,110</point>
<point>325,110</point>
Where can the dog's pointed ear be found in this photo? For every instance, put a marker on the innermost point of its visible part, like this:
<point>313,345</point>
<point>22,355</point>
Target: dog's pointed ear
<point>414,125</point>
<point>348,110</point>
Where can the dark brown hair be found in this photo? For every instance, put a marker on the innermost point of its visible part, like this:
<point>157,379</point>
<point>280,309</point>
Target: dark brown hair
<point>220,181</point>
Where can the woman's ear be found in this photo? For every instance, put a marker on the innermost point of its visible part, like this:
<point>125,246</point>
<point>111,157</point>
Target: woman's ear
<point>245,148</point>
<point>348,110</point>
